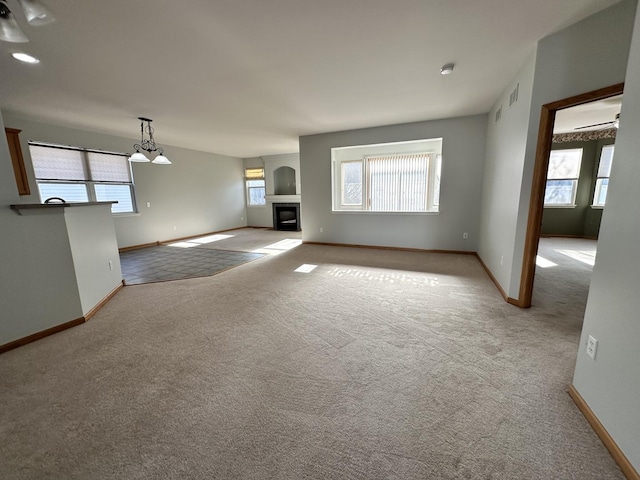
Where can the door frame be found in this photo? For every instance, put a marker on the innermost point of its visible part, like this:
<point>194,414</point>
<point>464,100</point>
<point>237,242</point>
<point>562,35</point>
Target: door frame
<point>536,202</point>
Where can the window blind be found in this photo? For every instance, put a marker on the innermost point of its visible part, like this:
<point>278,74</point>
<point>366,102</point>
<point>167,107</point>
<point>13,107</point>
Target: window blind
<point>254,173</point>
<point>108,168</point>
<point>398,183</point>
<point>57,164</point>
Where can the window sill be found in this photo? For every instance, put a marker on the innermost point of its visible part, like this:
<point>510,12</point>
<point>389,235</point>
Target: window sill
<point>597,207</point>
<point>126,214</point>
<point>256,206</point>
<point>560,206</point>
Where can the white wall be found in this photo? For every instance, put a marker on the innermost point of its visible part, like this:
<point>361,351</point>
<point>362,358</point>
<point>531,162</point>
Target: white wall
<point>37,281</point>
<point>506,144</point>
<point>463,152</point>
<point>611,384</point>
<point>588,55</point>
<point>199,193</point>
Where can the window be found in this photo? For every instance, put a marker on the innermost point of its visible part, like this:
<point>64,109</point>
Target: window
<point>79,175</point>
<point>562,178</point>
<point>255,186</point>
<point>380,182</point>
<point>602,180</point>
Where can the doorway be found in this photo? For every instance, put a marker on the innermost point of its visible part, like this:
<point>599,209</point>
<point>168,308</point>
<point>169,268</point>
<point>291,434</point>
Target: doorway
<point>536,204</point>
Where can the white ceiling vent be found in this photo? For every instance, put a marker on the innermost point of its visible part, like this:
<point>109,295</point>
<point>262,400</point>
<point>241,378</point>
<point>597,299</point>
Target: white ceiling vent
<point>513,98</point>
<point>498,114</point>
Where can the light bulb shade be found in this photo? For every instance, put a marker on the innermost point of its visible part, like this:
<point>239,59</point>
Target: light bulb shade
<point>138,157</point>
<point>9,29</point>
<point>161,160</point>
<point>36,13</point>
<point>447,69</point>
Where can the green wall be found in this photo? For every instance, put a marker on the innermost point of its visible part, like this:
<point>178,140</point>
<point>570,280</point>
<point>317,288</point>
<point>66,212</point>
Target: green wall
<point>581,221</point>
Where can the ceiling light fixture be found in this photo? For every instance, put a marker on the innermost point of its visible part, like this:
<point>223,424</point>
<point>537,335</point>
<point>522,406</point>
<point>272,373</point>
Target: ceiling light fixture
<point>34,11</point>
<point>149,145</point>
<point>24,57</point>
<point>447,69</point>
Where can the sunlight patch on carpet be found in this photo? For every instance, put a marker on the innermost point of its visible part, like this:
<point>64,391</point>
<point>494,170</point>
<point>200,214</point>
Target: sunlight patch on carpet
<point>194,242</point>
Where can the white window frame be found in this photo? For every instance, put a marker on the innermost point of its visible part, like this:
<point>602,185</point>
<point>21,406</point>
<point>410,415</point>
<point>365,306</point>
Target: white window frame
<point>574,180</point>
<point>600,178</point>
<point>254,174</point>
<point>89,184</point>
<point>434,164</point>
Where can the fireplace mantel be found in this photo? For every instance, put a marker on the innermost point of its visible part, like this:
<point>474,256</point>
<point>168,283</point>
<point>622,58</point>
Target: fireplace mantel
<point>282,198</point>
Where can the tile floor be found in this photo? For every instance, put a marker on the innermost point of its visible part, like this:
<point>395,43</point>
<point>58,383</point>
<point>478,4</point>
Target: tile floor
<point>162,263</point>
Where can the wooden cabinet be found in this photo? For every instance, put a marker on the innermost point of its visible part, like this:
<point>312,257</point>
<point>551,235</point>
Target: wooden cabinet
<point>18,162</point>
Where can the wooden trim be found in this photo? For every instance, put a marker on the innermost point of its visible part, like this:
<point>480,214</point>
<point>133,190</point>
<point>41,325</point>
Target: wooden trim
<point>103,302</point>
<point>562,235</point>
<point>63,326</point>
<point>543,149</point>
<point>37,336</point>
<point>19,170</point>
<point>138,247</point>
<point>493,278</point>
<point>507,298</point>
<point>618,456</point>
<point>398,249</point>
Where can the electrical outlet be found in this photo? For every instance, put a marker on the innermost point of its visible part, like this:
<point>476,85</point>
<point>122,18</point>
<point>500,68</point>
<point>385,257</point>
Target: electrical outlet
<point>501,259</point>
<point>175,228</point>
<point>148,204</point>
<point>110,265</point>
<point>321,229</point>
<point>592,346</point>
<point>465,235</point>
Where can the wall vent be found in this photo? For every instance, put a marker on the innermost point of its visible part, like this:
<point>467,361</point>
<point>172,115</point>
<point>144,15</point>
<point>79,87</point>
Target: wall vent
<point>498,114</point>
<point>513,98</point>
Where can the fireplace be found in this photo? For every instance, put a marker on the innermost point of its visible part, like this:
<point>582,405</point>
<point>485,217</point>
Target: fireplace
<point>286,216</point>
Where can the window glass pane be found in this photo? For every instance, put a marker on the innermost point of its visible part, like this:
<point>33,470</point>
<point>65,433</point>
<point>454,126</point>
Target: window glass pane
<point>564,164</point>
<point>119,193</point>
<point>57,163</point>
<point>108,168</point>
<point>398,183</point>
<point>351,183</point>
<point>70,192</point>
<point>256,196</point>
<point>559,192</point>
<point>602,186</point>
<point>436,182</point>
<point>604,168</point>
<point>256,192</point>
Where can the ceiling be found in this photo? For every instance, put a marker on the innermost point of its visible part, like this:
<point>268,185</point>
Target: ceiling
<point>588,115</point>
<point>248,77</point>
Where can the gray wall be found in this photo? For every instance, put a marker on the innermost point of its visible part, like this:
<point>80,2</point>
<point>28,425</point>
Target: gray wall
<point>506,144</point>
<point>38,287</point>
<point>611,384</point>
<point>93,243</point>
<point>588,55</point>
<point>583,220</point>
<point>462,164</point>
<point>201,192</point>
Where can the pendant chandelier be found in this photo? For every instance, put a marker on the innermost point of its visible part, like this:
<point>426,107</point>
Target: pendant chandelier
<point>148,145</point>
<point>34,11</point>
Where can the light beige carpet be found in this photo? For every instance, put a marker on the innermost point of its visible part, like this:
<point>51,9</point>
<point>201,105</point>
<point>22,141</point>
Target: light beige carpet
<point>374,365</point>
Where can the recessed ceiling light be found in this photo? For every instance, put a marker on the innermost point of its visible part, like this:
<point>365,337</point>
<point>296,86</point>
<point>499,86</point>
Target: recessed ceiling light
<point>23,57</point>
<point>447,69</point>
